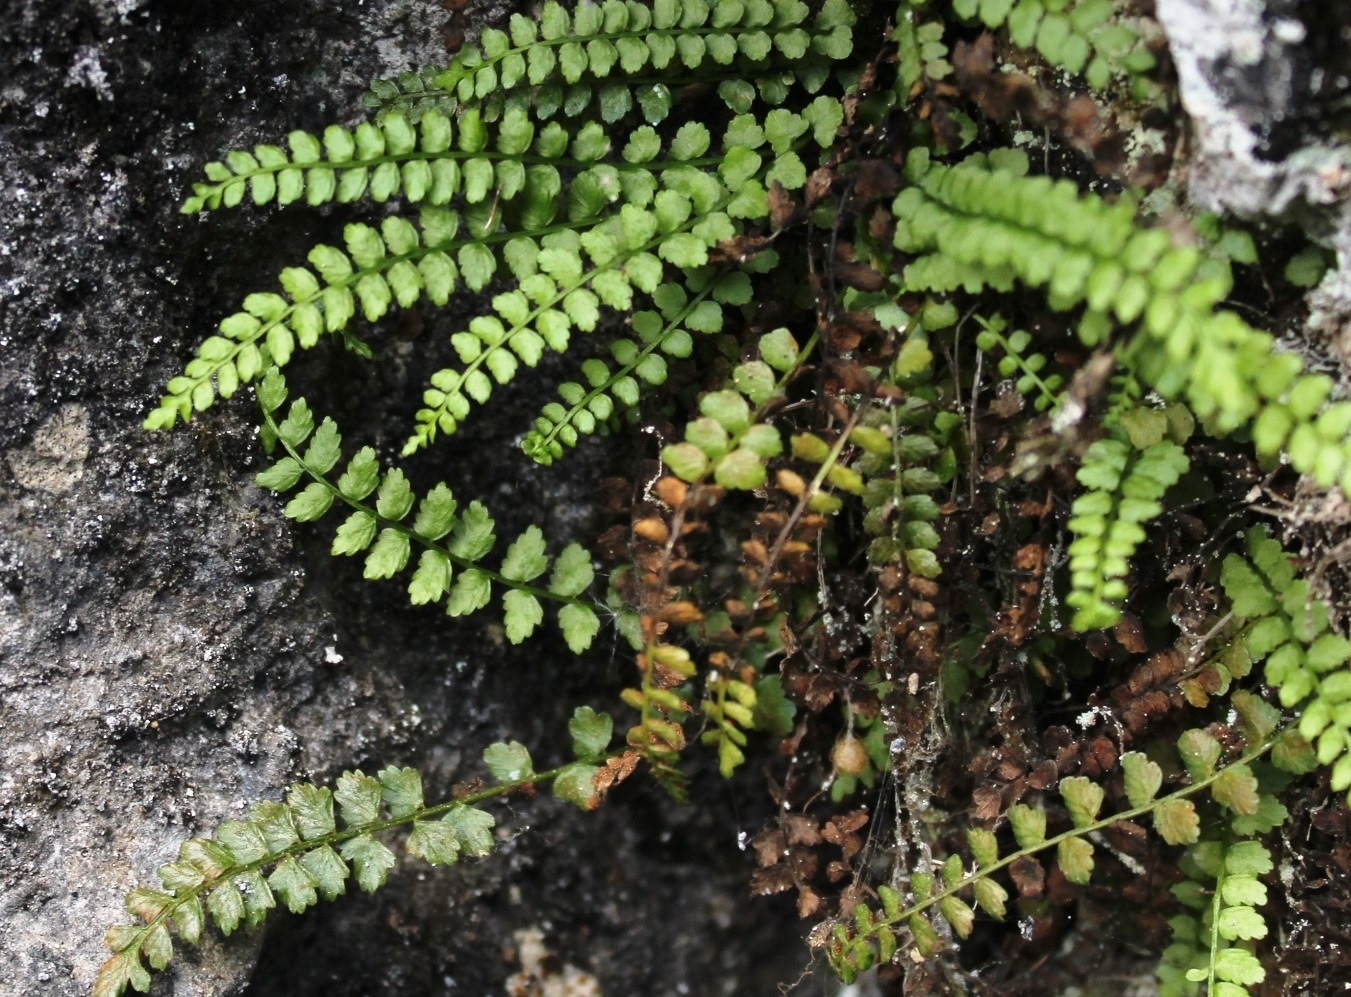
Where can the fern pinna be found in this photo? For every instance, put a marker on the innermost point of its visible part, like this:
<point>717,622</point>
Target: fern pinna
<point>773,251</point>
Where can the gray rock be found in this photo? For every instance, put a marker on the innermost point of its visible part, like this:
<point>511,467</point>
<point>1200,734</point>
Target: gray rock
<point>1268,88</point>
<point>171,648</point>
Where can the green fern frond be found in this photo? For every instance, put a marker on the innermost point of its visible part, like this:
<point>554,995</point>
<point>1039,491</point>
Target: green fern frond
<point>989,227</point>
<point>871,938</point>
<point>665,331</point>
<point>731,441</point>
<point>453,543</point>
<point>606,58</point>
<point>1212,943</point>
<point>304,848</point>
<point>1125,489</point>
<point>677,220</point>
<point>1025,368</point>
<point>1304,659</point>
<point>1078,36</point>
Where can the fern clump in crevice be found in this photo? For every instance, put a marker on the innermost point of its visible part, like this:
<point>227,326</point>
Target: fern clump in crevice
<point>772,284</point>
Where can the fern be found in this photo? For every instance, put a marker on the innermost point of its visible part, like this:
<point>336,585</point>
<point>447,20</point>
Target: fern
<point>593,59</point>
<point>871,938</point>
<point>533,174</point>
<point>675,218</point>
<point>984,226</point>
<point>582,409</point>
<point>1078,36</point>
<point>451,541</point>
<point>1017,363</point>
<point>298,850</point>
<point>1125,489</point>
<point>1303,659</point>
<point>1212,948</point>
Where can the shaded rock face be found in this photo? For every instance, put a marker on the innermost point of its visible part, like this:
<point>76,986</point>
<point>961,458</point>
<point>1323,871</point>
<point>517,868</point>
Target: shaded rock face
<point>171,648</point>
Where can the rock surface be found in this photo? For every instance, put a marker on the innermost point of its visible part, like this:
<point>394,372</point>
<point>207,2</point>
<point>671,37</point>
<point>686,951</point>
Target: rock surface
<point>1267,85</point>
<point>171,648</point>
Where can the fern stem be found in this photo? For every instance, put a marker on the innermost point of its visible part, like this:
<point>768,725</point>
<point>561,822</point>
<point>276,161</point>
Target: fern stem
<point>1216,905</point>
<point>463,563</point>
<point>1074,832</point>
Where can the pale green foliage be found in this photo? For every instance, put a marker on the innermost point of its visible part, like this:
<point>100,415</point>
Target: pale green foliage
<point>906,457</point>
<point>1289,632</point>
<point>627,229</point>
<point>959,886</point>
<point>293,852</point>
<point>983,225</point>
<point>545,174</point>
<point>1079,36</point>
<point>582,409</point>
<point>1220,896</point>
<point>730,441</point>
<point>311,844</point>
<point>587,60</point>
<point>1125,488</point>
<point>1018,363</point>
<point>451,543</point>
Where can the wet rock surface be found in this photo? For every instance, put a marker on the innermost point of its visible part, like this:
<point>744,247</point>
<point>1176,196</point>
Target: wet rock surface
<point>171,648</point>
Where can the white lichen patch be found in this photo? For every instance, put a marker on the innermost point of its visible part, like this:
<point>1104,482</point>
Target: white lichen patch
<point>541,973</point>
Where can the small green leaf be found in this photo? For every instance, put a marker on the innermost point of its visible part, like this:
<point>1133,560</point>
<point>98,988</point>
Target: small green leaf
<point>591,733</point>
<point>473,828</point>
<point>577,785</point>
<point>358,797</point>
<point>1076,860</point>
<point>525,558</point>
<point>1177,822</point>
<point>579,625</point>
<point>401,789</point>
<point>389,555</point>
<point>508,761</point>
<point>1083,798</point>
<point>1143,778</point>
<point>312,809</point>
<point>370,859</point>
<point>522,614</point>
<point>294,885</point>
<point>434,842</point>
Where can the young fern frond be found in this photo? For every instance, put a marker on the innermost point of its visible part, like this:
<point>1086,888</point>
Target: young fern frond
<point>1210,946</point>
<point>299,850</point>
<point>1125,489</point>
<point>676,222</point>
<point>435,161</point>
<point>989,227</point>
<point>453,543</point>
<point>1026,369</point>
